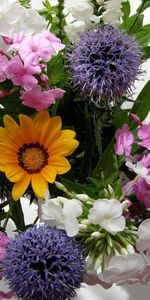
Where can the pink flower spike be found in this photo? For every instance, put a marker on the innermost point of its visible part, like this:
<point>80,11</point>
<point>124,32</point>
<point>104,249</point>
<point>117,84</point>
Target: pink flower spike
<point>41,100</point>
<point>124,140</point>
<point>136,119</point>
<point>22,75</point>
<point>144,134</point>
<point>3,66</point>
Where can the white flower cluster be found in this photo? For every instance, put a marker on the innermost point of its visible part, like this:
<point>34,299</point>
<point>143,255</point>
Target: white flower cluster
<point>63,213</point>
<point>127,269</point>
<point>80,17</point>
<point>15,18</point>
<point>112,12</point>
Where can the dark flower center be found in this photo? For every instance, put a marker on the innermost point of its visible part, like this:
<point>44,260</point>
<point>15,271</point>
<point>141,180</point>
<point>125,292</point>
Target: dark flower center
<point>32,157</point>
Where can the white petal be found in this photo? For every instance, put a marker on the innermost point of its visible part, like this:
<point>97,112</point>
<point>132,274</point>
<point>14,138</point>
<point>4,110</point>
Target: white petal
<point>71,226</point>
<point>114,225</point>
<point>52,210</point>
<point>116,208</point>
<point>72,208</point>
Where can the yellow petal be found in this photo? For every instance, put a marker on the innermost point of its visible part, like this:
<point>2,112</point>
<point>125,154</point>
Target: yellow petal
<point>39,185</point>
<point>28,129</point>
<point>15,173</point>
<point>41,122</point>
<point>53,131</point>
<point>20,187</point>
<point>67,134</point>
<point>60,163</point>
<point>49,173</point>
<point>14,131</point>
<point>63,147</point>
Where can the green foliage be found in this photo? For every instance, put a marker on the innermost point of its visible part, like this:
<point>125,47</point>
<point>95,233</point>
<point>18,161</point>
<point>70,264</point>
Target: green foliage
<point>56,72</point>
<point>144,5</point>
<point>56,19</point>
<point>77,188</point>
<point>126,9</point>
<point>25,3</point>
<point>141,106</point>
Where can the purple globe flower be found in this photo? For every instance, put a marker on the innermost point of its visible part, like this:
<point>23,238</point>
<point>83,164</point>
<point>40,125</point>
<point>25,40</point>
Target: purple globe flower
<point>105,63</point>
<point>44,263</point>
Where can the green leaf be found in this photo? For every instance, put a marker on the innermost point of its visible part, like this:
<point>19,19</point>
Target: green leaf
<point>77,187</point>
<point>117,187</point>
<point>120,118</point>
<point>146,51</point>
<point>3,215</point>
<point>143,6</point>
<point>107,167</point>
<point>126,9</point>
<point>133,23</point>
<point>143,36</point>
<point>141,106</point>
<point>55,71</point>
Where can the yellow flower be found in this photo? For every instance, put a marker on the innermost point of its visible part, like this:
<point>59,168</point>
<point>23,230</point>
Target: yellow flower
<point>34,151</point>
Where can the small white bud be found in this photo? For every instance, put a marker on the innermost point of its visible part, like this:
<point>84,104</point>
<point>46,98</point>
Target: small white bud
<point>98,262</point>
<point>130,249</point>
<point>124,251</point>
<point>90,263</point>
<point>96,234</point>
<point>86,222</point>
<point>125,204</point>
<point>82,226</point>
<point>83,197</point>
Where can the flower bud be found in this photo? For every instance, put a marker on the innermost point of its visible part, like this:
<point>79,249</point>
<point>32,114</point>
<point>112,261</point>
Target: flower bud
<point>83,197</point>
<point>96,234</point>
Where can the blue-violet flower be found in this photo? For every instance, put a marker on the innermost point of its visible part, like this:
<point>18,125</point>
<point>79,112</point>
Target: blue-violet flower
<point>105,63</point>
<point>44,263</point>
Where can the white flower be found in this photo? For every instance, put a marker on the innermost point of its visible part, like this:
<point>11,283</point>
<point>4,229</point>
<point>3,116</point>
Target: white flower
<point>124,269</point>
<point>108,214</point>
<point>79,18</point>
<point>81,10</point>
<point>62,213</point>
<point>139,169</point>
<point>143,242</point>
<point>113,11</point>
<point>73,30</point>
<point>15,18</point>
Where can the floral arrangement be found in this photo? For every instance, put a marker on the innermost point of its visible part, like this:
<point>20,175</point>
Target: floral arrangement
<point>67,145</point>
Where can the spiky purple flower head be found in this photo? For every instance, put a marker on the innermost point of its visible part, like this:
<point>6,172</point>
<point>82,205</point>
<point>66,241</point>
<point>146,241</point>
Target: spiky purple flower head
<point>44,263</point>
<point>105,63</point>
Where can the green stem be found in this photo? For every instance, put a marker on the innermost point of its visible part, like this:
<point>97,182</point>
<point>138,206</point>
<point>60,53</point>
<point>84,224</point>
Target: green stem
<point>61,19</point>
<point>8,215</point>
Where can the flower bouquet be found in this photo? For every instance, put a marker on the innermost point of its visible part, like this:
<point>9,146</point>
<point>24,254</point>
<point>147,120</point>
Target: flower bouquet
<point>67,144</point>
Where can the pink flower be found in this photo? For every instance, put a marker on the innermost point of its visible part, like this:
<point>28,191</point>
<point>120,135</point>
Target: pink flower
<point>124,140</point>
<point>16,41</point>
<point>144,134</point>
<point>3,66</point>
<point>41,99</point>
<point>4,240</point>
<point>22,75</point>
<point>5,295</point>
<point>55,42</point>
<point>142,191</point>
<point>136,119</point>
